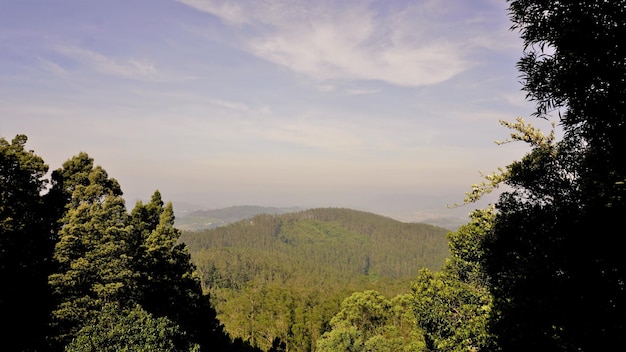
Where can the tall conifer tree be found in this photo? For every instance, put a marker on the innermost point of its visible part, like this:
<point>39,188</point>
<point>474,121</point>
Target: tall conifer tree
<point>168,285</point>
<point>92,249</point>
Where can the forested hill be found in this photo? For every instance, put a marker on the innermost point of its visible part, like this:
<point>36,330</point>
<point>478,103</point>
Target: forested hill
<point>338,240</point>
<point>284,276</point>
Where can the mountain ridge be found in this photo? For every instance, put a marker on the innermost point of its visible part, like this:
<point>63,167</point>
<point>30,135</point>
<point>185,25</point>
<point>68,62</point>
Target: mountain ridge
<point>191,219</point>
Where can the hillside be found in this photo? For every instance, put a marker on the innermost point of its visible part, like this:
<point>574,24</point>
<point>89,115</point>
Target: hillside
<point>279,272</point>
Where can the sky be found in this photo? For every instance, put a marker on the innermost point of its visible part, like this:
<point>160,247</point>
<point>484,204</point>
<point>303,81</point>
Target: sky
<point>387,106</point>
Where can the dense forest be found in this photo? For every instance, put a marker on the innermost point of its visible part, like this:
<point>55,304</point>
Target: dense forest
<point>345,241</point>
<point>540,270</point>
<point>284,276</point>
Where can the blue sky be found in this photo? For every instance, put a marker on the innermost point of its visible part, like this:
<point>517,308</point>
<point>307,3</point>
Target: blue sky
<point>385,106</point>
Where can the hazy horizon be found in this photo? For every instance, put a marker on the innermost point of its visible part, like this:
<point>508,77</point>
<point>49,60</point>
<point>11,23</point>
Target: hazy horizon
<point>403,207</point>
<point>384,106</point>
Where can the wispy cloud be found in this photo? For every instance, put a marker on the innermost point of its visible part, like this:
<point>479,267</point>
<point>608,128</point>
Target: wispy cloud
<point>51,67</point>
<point>362,91</point>
<point>348,41</point>
<point>307,131</point>
<point>232,105</point>
<point>267,101</point>
<point>226,10</point>
<point>128,68</point>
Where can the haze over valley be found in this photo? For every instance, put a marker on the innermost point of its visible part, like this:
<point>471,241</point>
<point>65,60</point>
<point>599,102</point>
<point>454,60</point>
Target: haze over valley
<point>383,106</point>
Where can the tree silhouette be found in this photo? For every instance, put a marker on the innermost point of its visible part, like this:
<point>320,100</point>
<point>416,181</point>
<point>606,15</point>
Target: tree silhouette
<point>556,272</point>
<point>25,247</point>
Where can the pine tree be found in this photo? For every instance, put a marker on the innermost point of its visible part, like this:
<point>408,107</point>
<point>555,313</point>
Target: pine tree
<point>92,249</point>
<point>168,285</point>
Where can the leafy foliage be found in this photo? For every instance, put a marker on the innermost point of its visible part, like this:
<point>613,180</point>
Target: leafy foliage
<point>368,321</point>
<point>166,281</point>
<point>25,246</point>
<point>553,287</point>
<point>91,251</point>
<point>453,306</point>
<point>447,310</point>
<point>113,330</point>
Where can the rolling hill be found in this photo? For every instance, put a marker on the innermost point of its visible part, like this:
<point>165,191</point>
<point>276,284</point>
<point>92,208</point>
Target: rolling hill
<point>281,272</point>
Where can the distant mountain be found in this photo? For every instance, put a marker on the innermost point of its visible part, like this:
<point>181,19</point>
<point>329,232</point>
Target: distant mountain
<point>212,218</point>
<point>183,208</point>
<point>446,218</point>
<point>449,223</point>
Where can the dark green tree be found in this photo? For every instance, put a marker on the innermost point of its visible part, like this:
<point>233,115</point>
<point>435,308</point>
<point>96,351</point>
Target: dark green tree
<point>77,171</point>
<point>556,272</point>
<point>144,219</point>
<point>92,248</point>
<point>114,329</point>
<point>167,283</point>
<point>368,321</point>
<point>453,306</point>
<point>74,263</point>
<point>25,247</point>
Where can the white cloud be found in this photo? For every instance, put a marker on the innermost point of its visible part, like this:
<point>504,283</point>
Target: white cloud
<point>346,41</point>
<point>516,99</point>
<point>362,91</point>
<point>128,68</point>
<point>226,10</point>
<point>51,67</point>
<point>232,105</point>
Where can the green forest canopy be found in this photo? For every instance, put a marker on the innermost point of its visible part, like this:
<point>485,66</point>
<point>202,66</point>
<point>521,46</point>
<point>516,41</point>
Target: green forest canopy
<point>284,276</point>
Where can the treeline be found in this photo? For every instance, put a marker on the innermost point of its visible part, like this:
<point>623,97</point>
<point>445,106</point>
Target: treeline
<point>79,272</point>
<point>284,276</point>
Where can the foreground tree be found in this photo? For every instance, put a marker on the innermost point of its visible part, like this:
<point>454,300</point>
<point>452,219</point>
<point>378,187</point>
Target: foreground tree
<point>92,249</point>
<point>453,306</point>
<point>368,321</point>
<point>25,247</point>
<point>115,329</point>
<point>555,271</point>
<point>167,285</point>
<point>106,256</point>
<point>80,273</point>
